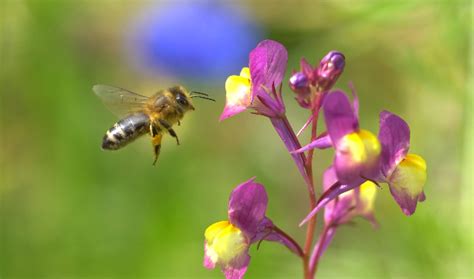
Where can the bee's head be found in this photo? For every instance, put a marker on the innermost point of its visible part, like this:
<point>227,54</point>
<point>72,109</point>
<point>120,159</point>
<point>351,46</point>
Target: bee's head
<point>182,98</point>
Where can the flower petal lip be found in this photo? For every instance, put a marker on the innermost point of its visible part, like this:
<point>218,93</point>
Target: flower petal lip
<point>357,155</point>
<point>339,116</point>
<point>247,206</point>
<point>267,64</point>
<point>238,268</point>
<point>208,262</point>
<point>407,182</point>
<point>225,245</point>
<point>230,111</point>
<point>238,94</point>
<point>394,135</point>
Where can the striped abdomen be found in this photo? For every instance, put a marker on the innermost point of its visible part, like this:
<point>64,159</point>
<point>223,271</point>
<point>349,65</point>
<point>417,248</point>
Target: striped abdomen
<point>126,131</point>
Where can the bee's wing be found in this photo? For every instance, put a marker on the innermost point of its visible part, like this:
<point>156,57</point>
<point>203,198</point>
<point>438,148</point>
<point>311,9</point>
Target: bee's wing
<point>118,100</point>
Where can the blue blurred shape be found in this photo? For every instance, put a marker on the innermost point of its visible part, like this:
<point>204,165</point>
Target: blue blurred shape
<point>194,41</point>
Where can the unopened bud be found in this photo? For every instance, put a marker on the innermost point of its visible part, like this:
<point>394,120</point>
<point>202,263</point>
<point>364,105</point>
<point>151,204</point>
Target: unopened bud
<point>299,82</point>
<point>330,68</point>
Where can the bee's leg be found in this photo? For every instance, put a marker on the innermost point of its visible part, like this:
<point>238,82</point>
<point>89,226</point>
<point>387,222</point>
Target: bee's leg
<point>179,123</point>
<point>167,126</point>
<point>156,142</point>
<point>153,130</point>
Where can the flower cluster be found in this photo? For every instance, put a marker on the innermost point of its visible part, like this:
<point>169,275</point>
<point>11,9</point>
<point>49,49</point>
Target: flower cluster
<point>308,81</point>
<point>362,160</point>
<point>360,156</point>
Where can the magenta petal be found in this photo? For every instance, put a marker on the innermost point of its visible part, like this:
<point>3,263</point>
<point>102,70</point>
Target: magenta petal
<point>307,69</point>
<point>247,206</point>
<point>346,171</point>
<point>422,197</point>
<point>231,111</point>
<point>329,178</point>
<point>394,136</point>
<point>329,195</point>
<point>355,102</point>
<point>319,143</point>
<point>405,201</point>
<point>267,64</point>
<point>339,116</point>
<point>237,269</point>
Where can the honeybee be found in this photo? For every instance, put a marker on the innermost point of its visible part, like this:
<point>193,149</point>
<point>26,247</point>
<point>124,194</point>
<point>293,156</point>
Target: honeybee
<point>154,115</point>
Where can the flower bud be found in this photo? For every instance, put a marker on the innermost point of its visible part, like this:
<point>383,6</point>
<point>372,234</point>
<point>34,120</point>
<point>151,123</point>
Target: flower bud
<point>330,68</point>
<point>299,82</point>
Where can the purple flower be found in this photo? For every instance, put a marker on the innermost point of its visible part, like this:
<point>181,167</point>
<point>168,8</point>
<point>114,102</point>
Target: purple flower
<point>357,151</point>
<point>355,202</point>
<point>256,86</point>
<point>227,242</point>
<point>405,173</point>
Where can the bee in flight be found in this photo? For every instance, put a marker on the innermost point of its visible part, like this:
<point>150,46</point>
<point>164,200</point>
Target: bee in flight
<point>154,115</point>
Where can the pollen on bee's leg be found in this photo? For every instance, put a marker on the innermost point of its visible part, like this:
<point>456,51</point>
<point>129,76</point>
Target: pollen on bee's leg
<point>156,142</point>
<point>157,153</point>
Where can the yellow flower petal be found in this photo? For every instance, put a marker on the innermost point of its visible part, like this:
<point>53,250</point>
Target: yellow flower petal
<point>358,153</point>
<point>245,72</point>
<point>410,175</point>
<point>237,91</point>
<point>214,230</point>
<point>372,145</point>
<point>225,242</point>
<point>368,192</point>
<point>360,146</point>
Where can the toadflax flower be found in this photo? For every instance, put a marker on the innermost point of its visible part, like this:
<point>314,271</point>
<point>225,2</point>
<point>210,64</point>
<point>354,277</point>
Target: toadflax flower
<point>227,242</point>
<point>355,202</point>
<point>405,173</point>
<point>239,96</point>
<point>357,151</point>
<point>252,88</point>
<point>256,88</point>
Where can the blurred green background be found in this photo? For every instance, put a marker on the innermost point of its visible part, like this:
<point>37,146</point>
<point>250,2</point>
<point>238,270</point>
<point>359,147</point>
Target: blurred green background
<point>69,209</point>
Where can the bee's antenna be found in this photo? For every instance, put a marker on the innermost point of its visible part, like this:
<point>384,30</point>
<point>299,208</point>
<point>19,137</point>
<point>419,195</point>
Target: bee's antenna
<point>202,97</point>
<point>199,93</point>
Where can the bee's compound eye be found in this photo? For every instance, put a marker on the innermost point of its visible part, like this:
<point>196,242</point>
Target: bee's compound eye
<point>181,100</point>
